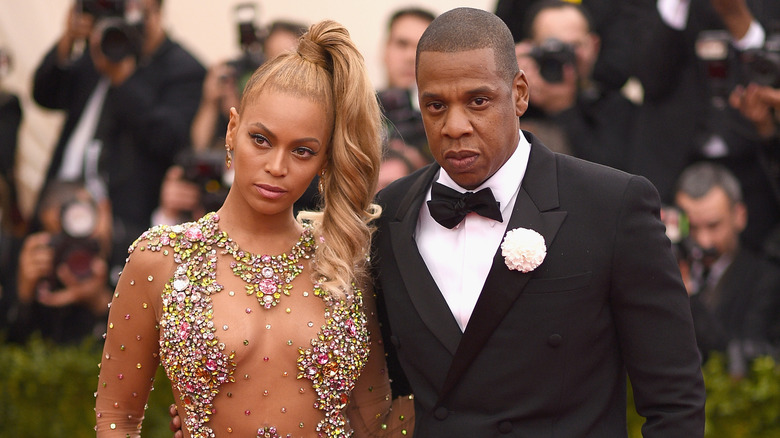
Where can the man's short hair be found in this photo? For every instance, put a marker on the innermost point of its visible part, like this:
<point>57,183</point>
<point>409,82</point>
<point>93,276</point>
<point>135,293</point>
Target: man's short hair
<point>699,178</point>
<point>463,29</point>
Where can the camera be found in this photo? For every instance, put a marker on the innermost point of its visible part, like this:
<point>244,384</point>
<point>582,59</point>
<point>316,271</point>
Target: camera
<point>121,27</point>
<point>251,39</point>
<point>551,56</point>
<point>74,246</point>
<point>725,67</point>
<point>762,66</point>
<point>207,170</point>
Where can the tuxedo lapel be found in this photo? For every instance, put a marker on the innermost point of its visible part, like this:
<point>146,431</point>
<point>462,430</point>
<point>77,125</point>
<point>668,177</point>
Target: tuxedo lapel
<point>419,284</point>
<point>538,194</point>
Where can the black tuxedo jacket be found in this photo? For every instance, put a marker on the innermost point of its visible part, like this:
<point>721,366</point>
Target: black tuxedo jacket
<point>545,354</point>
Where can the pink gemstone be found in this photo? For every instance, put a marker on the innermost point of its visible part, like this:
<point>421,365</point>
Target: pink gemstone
<point>246,412</point>
<point>267,286</point>
<point>351,327</point>
<point>322,359</point>
<point>193,233</point>
<point>211,364</point>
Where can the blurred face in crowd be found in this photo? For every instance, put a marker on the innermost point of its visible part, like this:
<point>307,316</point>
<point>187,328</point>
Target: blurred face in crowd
<point>715,222</point>
<point>391,170</point>
<point>400,50</point>
<point>568,25</point>
<point>279,42</point>
<point>470,111</point>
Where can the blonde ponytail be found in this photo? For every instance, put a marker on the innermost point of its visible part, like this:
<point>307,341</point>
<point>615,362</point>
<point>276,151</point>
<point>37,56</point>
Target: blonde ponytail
<point>328,67</point>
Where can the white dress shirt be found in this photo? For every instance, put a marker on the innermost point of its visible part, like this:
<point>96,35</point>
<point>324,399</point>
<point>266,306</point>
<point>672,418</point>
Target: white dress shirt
<point>81,145</point>
<point>460,258</point>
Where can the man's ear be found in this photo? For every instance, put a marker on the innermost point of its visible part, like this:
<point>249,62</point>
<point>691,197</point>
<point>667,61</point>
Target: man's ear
<point>740,216</point>
<point>521,93</point>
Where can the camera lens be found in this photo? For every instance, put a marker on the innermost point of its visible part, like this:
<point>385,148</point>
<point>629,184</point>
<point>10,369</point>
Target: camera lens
<point>115,44</point>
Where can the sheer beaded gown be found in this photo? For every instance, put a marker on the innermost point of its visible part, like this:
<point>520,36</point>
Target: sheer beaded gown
<point>253,347</point>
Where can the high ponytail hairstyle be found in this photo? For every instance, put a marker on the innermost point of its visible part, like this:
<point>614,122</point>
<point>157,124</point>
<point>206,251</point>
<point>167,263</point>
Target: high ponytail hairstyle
<point>328,68</point>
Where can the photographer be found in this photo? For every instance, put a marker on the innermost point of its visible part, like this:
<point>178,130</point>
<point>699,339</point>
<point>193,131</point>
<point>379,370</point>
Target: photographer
<point>129,93</point>
<point>398,100</point>
<point>570,110</point>
<point>733,290</point>
<point>688,57</point>
<point>62,288</point>
<point>224,81</point>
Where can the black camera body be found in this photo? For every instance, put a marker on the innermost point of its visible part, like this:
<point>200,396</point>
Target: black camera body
<point>121,36</point>
<point>724,67</point>
<point>207,170</point>
<point>74,246</point>
<point>244,66</point>
<point>551,56</point>
<point>762,66</point>
<point>103,8</point>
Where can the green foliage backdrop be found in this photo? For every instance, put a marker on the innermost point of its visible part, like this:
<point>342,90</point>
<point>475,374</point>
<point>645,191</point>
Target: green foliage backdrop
<point>48,390</point>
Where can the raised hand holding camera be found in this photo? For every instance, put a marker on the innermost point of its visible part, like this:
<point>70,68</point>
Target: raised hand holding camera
<point>553,78</point>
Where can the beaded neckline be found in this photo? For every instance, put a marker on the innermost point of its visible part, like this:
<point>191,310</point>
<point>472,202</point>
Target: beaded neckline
<point>268,277</point>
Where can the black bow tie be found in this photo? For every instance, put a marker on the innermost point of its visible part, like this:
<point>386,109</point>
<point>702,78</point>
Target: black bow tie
<point>448,207</point>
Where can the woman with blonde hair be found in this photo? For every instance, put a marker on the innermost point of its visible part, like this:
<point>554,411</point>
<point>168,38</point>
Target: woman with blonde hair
<point>264,322</point>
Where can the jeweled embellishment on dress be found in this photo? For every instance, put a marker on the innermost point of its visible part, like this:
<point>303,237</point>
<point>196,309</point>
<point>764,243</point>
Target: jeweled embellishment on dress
<point>198,364</point>
<point>334,361</point>
<point>268,277</point>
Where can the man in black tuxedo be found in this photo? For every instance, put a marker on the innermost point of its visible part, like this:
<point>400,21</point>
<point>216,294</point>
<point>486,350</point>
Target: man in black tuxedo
<point>488,350</point>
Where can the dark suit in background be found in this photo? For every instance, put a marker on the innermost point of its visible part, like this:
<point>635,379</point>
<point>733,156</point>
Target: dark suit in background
<point>738,316</point>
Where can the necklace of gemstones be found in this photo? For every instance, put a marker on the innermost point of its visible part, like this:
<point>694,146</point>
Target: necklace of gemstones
<point>268,277</point>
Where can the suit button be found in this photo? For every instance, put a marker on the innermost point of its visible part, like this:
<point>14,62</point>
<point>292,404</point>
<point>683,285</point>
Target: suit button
<point>394,341</point>
<point>441,413</point>
<point>505,427</point>
<point>554,340</point>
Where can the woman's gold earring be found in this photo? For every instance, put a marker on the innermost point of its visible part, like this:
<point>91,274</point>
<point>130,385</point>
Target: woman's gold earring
<point>321,183</point>
<point>228,158</point>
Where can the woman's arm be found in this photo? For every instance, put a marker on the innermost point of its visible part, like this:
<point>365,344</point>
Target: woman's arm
<point>130,354</point>
<point>373,412</point>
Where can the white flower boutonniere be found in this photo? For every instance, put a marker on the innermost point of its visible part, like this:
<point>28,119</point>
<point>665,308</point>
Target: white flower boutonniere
<point>523,249</point>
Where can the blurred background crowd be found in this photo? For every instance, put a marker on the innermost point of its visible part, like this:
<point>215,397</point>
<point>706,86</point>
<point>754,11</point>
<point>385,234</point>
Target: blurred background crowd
<point>113,115</point>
